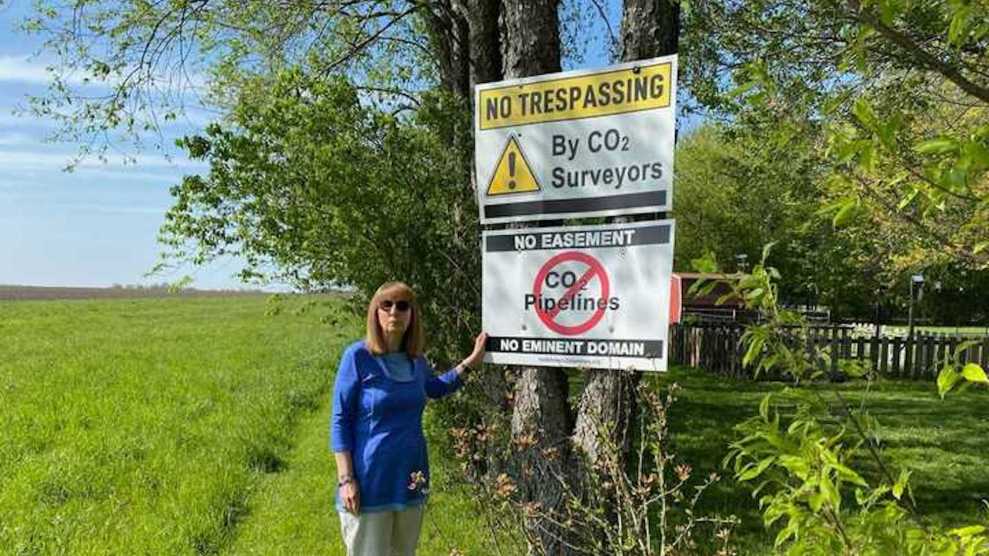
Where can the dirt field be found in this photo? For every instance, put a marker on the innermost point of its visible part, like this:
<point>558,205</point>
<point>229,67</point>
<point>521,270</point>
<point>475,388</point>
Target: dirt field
<point>40,292</point>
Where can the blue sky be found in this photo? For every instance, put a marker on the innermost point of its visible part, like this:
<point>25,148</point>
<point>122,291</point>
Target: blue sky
<point>97,225</point>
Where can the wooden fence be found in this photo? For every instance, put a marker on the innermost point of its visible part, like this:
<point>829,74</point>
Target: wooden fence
<point>717,348</point>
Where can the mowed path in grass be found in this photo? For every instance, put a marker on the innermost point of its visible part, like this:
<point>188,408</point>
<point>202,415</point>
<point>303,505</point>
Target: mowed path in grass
<point>145,426</point>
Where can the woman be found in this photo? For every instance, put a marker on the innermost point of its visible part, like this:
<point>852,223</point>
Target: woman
<point>378,399</point>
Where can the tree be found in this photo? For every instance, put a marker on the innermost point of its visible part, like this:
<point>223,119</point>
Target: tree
<point>898,88</point>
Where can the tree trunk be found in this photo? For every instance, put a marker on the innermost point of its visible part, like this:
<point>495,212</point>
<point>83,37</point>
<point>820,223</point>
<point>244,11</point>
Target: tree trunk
<point>485,39</point>
<point>531,44</point>
<point>604,413</point>
<point>449,38</point>
<point>465,38</point>
<point>541,422</point>
<point>650,28</point>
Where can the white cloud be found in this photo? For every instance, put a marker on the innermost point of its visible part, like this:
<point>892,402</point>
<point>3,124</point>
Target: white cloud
<point>15,138</point>
<point>20,69</point>
<point>33,70</point>
<point>30,70</point>
<point>9,119</point>
<point>145,166</point>
<point>106,209</point>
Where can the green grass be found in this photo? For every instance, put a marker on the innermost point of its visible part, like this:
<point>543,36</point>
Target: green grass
<point>181,426</point>
<point>199,426</point>
<point>143,426</point>
<point>945,443</point>
<point>292,512</point>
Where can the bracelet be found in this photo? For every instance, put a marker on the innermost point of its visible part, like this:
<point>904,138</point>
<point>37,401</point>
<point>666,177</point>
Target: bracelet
<point>346,479</point>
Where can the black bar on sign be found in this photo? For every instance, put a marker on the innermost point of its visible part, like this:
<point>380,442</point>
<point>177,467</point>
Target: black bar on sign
<point>588,204</point>
<point>579,239</point>
<point>589,347</point>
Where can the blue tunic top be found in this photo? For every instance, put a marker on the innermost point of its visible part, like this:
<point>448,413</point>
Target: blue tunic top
<point>377,417</point>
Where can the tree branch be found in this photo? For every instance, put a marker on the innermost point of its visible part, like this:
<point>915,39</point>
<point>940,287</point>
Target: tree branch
<point>924,57</point>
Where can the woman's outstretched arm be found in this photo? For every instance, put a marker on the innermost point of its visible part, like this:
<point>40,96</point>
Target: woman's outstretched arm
<point>450,381</point>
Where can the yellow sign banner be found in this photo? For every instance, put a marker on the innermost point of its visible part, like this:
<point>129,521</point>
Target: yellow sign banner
<point>572,98</point>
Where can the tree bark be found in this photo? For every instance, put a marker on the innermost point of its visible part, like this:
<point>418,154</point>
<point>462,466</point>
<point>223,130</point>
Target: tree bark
<point>650,28</point>
<point>541,422</point>
<point>465,38</point>
<point>449,35</point>
<point>485,39</point>
<point>531,44</point>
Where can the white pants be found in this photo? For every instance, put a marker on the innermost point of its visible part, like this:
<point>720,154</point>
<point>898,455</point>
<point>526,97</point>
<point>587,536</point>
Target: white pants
<point>382,533</point>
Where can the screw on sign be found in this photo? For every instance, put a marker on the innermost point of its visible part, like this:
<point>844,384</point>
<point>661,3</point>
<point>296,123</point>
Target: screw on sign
<point>549,308</point>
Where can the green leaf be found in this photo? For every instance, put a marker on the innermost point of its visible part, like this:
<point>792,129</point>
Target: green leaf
<point>959,26</point>
<point>753,352</point>
<point>887,11</point>
<point>980,247</point>
<point>865,114</point>
<point>796,465</point>
<point>868,157</point>
<point>830,492</point>
<point>975,373</point>
<point>978,154</point>
<point>969,531</point>
<point>742,89</point>
<point>901,483</point>
<point>766,249</point>
<point>946,380</point>
<point>938,145</point>
<point>905,202</point>
<point>756,470</point>
<point>849,474</point>
<point>964,346</point>
<point>764,407</point>
<point>724,298</point>
<point>707,263</point>
<point>846,214</point>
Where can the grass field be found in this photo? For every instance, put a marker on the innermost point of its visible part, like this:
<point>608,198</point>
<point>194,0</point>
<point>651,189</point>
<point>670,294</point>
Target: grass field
<point>199,426</point>
<point>180,426</point>
<point>944,443</point>
<point>144,426</point>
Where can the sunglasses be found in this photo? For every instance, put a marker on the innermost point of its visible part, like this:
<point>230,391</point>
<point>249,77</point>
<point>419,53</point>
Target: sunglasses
<point>400,306</point>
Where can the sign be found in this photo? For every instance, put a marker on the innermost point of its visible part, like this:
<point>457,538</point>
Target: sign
<point>584,296</point>
<point>512,175</point>
<point>576,144</point>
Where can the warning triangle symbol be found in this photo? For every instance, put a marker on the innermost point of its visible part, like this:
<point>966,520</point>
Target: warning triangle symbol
<point>513,174</point>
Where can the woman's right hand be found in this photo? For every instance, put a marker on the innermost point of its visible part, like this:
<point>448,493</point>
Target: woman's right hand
<point>350,495</point>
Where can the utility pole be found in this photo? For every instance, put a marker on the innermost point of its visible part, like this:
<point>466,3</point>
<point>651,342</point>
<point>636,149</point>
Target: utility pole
<point>916,283</point>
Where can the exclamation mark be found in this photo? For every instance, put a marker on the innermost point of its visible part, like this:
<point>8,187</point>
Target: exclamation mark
<point>511,170</point>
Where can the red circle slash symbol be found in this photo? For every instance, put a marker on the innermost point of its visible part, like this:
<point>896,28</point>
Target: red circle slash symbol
<point>595,270</point>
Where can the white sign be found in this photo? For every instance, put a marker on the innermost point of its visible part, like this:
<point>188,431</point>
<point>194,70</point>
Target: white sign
<point>576,144</point>
<point>585,296</point>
